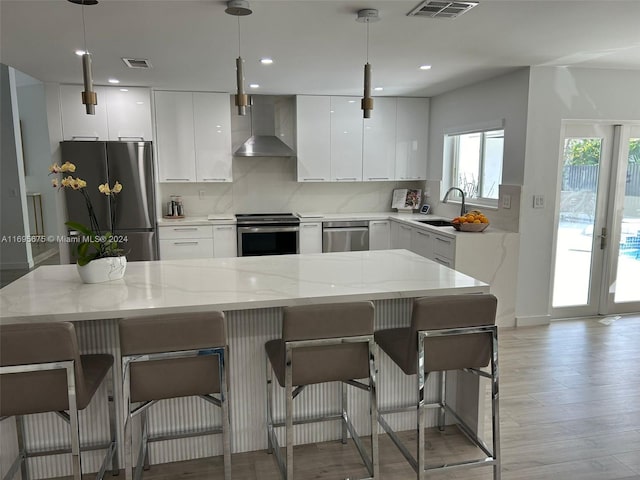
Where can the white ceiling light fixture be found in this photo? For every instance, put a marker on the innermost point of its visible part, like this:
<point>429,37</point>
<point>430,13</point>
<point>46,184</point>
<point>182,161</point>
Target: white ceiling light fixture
<point>425,67</point>
<point>266,61</point>
<point>113,80</point>
<point>239,8</point>
<point>367,15</point>
<point>254,85</point>
<point>89,97</point>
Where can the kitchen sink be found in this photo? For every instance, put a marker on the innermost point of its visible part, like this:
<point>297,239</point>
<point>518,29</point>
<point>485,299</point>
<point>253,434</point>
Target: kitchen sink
<point>437,223</point>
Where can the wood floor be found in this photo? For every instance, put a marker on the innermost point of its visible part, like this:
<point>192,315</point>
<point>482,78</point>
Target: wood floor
<point>570,409</point>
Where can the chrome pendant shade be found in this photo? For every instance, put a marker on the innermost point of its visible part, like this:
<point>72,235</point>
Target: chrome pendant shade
<point>89,97</point>
<point>239,8</point>
<point>367,15</point>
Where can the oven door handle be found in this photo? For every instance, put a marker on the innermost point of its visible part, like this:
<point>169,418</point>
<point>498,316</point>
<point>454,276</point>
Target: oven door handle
<point>267,229</point>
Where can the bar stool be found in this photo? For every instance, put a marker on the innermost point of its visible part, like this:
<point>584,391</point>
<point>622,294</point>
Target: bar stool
<point>447,333</point>
<point>170,356</point>
<point>41,370</point>
<point>323,343</point>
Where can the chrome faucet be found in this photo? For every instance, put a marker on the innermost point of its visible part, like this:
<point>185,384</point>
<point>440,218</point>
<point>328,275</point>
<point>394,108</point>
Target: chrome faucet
<point>463,209</point>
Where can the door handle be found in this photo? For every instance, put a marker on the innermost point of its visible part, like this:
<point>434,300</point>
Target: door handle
<point>603,238</point>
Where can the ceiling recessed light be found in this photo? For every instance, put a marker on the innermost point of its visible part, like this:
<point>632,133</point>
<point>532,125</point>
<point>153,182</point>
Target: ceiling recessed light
<point>254,85</point>
<point>266,61</point>
<point>425,67</point>
<point>124,89</point>
<point>379,89</point>
<point>113,80</point>
<point>218,126</point>
<point>139,103</point>
<point>352,101</point>
<point>80,52</point>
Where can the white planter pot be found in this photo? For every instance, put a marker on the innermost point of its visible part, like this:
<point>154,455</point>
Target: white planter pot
<point>103,270</point>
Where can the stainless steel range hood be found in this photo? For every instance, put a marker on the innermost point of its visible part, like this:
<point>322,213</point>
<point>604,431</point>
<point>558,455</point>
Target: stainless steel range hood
<point>272,120</point>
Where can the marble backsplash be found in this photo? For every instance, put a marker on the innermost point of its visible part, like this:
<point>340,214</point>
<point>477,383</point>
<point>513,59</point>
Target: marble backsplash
<point>268,185</point>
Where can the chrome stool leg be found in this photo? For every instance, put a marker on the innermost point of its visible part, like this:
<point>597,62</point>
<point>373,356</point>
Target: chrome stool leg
<point>343,410</point>
<point>24,465</point>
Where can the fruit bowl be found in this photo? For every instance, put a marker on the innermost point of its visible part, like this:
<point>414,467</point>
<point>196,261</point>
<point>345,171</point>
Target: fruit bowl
<point>470,227</point>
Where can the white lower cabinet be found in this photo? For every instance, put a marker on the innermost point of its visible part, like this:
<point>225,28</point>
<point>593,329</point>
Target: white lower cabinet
<point>183,242</point>
<point>225,243</point>
<point>311,237</point>
<point>422,242</point>
<point>379,235</point>
<point>401,236</point>
<point>197,241</point>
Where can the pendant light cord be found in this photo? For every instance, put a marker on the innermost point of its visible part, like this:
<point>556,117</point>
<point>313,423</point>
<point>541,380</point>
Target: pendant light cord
<point>239,52</point>
<point>84,30</point>
<point>367,42</point>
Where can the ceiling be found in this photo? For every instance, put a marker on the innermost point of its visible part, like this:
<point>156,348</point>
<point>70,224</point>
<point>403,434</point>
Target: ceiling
<point>317,46</point>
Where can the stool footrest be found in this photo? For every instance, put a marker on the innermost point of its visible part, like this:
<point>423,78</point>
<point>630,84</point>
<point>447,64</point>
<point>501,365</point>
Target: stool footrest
<point>162,437</point>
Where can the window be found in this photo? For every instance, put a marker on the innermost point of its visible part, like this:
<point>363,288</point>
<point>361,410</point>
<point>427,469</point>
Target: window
<point>473,162</point>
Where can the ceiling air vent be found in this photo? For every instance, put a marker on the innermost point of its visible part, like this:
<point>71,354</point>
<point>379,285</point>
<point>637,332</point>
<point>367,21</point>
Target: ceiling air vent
<point>136,62</point>
<point>441,9</point>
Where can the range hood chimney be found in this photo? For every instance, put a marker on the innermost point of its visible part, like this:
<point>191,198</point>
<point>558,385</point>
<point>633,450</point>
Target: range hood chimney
<point>272,120</point>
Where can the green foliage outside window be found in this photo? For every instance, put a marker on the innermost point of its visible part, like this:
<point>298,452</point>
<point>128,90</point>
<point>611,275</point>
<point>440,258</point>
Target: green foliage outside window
<point>586,151</point>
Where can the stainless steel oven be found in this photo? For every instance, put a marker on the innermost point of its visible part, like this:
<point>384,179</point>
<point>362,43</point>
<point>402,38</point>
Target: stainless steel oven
<point>267,234</point>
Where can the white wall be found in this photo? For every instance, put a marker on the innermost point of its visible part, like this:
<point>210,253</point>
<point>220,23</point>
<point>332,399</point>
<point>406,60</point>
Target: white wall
<point>13,209</point>
<point>556,94</point>
<point>37,154</point>
<point>268,185</point>
<point>500,98</point>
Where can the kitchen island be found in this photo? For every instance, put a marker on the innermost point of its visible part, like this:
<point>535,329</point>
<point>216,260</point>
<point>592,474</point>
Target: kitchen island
<point>251,291</point>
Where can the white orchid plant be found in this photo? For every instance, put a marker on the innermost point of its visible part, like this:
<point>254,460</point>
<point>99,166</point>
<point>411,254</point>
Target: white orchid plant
<point>95,243</point>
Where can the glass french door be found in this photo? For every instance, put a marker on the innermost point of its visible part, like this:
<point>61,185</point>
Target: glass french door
<point>597,244</point>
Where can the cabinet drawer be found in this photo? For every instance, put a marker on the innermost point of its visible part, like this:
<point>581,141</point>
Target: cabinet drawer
<point>184,248</point>
<point>186,231</point>
<point>444,247</point>
<point>447,262</point>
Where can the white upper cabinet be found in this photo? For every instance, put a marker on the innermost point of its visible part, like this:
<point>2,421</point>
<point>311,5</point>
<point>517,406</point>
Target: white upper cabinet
<point>346,139</point>
<point>313,119</point>
<point>129,113</point>
<point>76,124</point>
<point>212,136</point>
<point>174,136</point>
<point>379,142</point>
<point>412,132</point>
<point>193,136</point>
<point>120,115</point>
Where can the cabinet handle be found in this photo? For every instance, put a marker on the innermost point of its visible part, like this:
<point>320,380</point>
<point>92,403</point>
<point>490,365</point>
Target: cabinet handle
<point>424,234</point>
<point>442,262</point>
<point>91,137</point>
<point>177,179</point>
<point>132,137</point>
<point>345,179</point>
<point>314,179</point>
<point>378,178</point>
<point>405,228</point>
<point>443,240</point>
<point>379,223</point>
<point>224,228</point>
<point>185,243</point>
<point>185,229</point>
<point>214,179</point>
<point>311,225</point>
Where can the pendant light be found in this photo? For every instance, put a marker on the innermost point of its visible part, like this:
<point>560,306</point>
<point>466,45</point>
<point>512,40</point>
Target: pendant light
<point>89,97</point>
<point>239,8</point>
<point>367,15</point>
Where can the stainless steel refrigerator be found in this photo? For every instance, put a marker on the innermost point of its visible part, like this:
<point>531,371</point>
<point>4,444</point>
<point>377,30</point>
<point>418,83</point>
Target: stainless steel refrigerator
<point>131,164</point>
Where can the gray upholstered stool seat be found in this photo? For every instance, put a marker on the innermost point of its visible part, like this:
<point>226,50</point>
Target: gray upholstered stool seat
<point>323,343</point>
<point>171,356</point>
<point>43,371</point>
<point>450,332</point>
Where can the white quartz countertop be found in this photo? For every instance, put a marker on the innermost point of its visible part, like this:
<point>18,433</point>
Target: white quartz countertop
<point>56,293</point>
<point>411,219</point>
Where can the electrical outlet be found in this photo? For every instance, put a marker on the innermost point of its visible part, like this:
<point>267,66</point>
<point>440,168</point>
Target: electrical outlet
<point>538,201</point>
<point>506,201</point>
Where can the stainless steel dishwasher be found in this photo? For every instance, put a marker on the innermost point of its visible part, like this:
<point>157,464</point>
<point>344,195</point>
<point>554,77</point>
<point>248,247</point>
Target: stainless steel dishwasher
<point>345,236</point>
